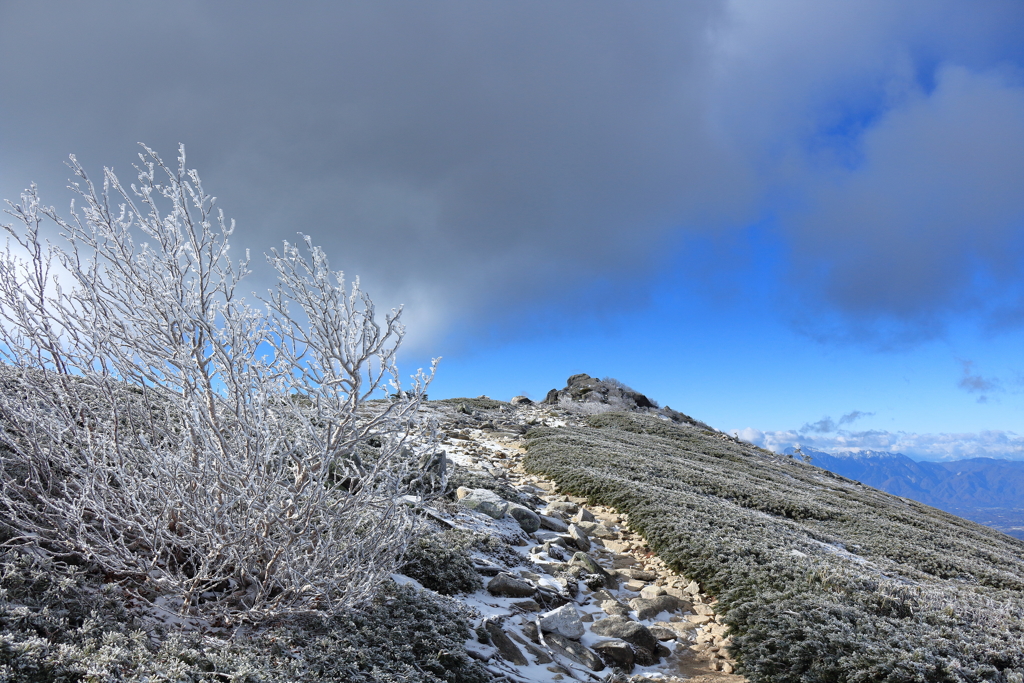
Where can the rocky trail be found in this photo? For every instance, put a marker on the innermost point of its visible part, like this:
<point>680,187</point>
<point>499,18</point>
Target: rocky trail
<point>588,599</point>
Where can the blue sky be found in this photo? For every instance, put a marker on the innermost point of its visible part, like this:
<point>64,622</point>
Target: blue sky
<point>801,221</point>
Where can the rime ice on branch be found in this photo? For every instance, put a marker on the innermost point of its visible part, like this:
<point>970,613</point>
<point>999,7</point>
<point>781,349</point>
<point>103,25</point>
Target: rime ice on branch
<point>221,454</point>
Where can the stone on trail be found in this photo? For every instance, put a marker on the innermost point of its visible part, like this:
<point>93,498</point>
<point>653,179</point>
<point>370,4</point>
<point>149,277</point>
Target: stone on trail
<point>616,653</point>
<point>642,574</point>
<point>651,592</point>
<point>528,520</point>
<point>629,631</point>
<point>528,605</point>
<point>577,652</point>
<point>565,621</point>
<point>584,515</point>
<point>663,633</point>
<point>649,608</point>
<point>553,524</point>
<point>565,507</point>
<point>579,537</point>
<point>614,608</point>
<point>506,648</point>
<point>588,563</point>
<point>506,585</point>
<point>486,501</point>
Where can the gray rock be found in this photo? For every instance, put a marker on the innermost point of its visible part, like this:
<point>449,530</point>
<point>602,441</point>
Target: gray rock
<point>564,507</point>
<point>485,501</point>
<point>579,537</point>
<point>564,621</point>
<point>584,515</point>
<point>508,650</point>
<point>554,551</point>
<point>508,586</point>
<point>545,536</point>
<point>529,605</point>
<point>651,592</point>
<point>601,531</point>
<point>648,608</point>
<point>528,520</point>
<point>520,401</point>
<point>530,630</point>
<point>663,633</point>
<point>587,562</point>
<point>539,656</point>
<point>553,524</point>
<point>693,588</point>
<point>614,608</point>
<point>577,652</point>
<point>629,631</point>
<point>616,653</point>
<point>641,574</point>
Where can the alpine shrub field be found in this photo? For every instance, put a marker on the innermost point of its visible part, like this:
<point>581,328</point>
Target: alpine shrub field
<point>60,622</point>
<point>821,578</point>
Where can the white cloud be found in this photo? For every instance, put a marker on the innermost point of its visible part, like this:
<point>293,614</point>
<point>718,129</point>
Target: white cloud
<point>988,444</point>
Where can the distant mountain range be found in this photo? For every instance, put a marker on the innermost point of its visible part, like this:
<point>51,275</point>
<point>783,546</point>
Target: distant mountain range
<point>984,490</point>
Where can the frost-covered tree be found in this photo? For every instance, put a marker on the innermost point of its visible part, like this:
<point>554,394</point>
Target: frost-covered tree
<point>215,455</point>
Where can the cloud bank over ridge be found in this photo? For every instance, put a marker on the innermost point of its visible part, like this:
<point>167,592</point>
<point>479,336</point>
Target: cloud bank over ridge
<point>987,444</point>
<point>476,160</point>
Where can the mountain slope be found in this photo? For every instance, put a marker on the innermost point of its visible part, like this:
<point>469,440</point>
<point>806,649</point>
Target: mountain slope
<point>824,579</point>
<point>985,490</point>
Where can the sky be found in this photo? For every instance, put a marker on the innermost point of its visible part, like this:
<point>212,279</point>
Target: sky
<point>800,221</point>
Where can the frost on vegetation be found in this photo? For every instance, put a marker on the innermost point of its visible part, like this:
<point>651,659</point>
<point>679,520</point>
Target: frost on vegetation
<point>442,562</point>
<point>818,577</point>
<point>220,454</point>
<point>58,622</point>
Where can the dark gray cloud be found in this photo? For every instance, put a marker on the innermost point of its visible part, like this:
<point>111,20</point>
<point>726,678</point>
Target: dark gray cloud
<point>472,159</point>
<point>853,416</point>
<point>455,154</point>
<point>822,426</point>
<point>974,383</point>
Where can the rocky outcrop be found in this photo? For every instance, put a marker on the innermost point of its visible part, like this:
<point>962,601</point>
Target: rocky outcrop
<point>584,388</point>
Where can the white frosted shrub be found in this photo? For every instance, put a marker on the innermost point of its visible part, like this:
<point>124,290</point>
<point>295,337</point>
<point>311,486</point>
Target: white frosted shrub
<point>216,456</point>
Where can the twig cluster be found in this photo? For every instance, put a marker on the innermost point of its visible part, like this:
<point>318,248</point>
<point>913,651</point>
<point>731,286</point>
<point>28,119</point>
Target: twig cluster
<point>217,454</point>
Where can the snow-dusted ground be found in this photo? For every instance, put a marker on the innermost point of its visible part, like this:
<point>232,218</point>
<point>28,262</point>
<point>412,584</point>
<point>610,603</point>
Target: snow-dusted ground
<point>498,453</point>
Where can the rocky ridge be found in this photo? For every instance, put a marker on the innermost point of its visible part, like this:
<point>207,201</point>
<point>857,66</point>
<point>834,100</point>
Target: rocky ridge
<point>583,597</point>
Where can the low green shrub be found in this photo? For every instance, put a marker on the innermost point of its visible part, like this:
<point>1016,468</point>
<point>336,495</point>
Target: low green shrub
<point>820,578</point>
<point>59,622</point>
<point>481,403</point>
<point>441,562</point>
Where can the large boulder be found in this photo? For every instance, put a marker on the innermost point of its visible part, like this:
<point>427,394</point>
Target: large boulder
<point>617,653</point>
<point>578,652</point>
<point>614,608</point>
<point>649,608</point>
<point>584,515</point>
<point>564,507</point>
<point>528,520</point>
<point>508,650</point>
<point>485,501</point>
<point>553,524</point>
<point>629,631</point>
<point>508,586</point>
<point>579,537</point>
<point>565,621</point>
